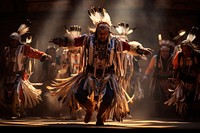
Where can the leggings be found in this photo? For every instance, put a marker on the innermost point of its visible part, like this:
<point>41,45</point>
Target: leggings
<point>81,95</point>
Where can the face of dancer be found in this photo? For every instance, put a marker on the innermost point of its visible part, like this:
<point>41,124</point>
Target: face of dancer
<point>187,50</point>
<point>103,33</point>
<point>164,52</point>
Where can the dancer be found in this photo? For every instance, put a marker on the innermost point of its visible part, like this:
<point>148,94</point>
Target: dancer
<point>96,88</point>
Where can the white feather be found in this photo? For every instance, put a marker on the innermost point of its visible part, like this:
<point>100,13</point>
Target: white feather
<point>191,37</point>
<point>23,29</point>
<point>123,29</point>
<point>74,31</point>
<point>99,15</point>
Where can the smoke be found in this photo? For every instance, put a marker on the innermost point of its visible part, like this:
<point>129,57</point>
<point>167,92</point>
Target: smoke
<point>52,103</point>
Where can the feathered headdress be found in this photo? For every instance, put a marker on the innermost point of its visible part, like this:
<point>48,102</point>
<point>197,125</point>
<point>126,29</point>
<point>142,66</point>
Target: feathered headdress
<point>190,37</point>
<point>192,34</point>
<point>23,29</point>
<point>99,15</point>
<point>167,43</point>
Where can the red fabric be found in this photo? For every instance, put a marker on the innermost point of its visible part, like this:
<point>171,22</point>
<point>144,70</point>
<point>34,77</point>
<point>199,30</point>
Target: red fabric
<point>126,46</point>
<point>25,75</point>
<point>175,61</point>
<point>79,41</point>
<point>32,53</point>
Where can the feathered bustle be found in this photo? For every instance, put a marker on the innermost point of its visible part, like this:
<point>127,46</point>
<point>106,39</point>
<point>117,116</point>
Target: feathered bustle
<point>123,28</point>
<point>74,31</point>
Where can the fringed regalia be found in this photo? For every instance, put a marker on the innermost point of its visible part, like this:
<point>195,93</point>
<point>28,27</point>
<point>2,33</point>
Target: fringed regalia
<point>186,95</point>
<point>65,89</point>
<point>17,84</point>
<point>98,83</point>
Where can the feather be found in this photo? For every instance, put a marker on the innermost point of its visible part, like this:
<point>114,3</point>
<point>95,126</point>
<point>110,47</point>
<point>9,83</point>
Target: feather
<point>123,29</point>
<point>74,31</point>
<point>23,29</point>
<point>63,90</point>
<point>170,101</point>
<point>31,94</point>
<point>138,92</point>
<point>192,34</point>
<point>98,15</point>
<point>191,37</point>
<point>127,95</point>
<point>180,34</point>
<point>121,106</point>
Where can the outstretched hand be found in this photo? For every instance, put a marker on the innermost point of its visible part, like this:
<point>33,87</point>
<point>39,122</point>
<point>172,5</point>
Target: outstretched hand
<point>144,51</point>
<point>48,57</point>
<point>45,57</point>
<point>147,51</point>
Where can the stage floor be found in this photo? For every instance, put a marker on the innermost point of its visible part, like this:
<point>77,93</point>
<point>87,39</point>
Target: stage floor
<point>126,125</point>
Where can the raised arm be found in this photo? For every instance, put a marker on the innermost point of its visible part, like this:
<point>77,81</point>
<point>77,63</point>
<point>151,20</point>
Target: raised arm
<point>149,70</point>
<point>68,41</point>
<point>36,54</point>
<point>135,48</point>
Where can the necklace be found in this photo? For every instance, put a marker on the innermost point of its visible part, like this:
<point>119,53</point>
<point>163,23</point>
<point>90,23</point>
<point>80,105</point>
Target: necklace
<point>101,51</point>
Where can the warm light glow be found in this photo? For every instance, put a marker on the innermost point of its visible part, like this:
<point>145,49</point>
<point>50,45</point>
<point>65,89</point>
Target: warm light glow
<point>126,124</point>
